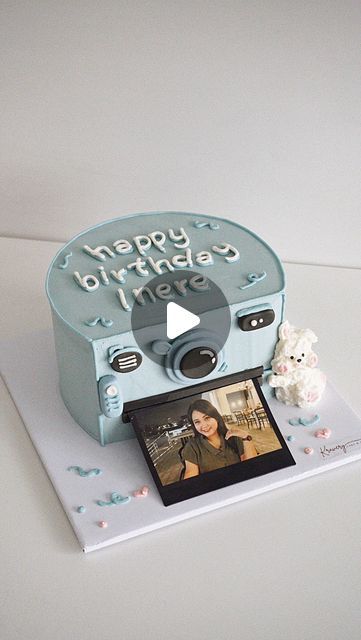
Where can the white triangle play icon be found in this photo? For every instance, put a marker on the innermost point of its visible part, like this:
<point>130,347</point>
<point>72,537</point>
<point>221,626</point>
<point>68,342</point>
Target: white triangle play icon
<point>179,320</point>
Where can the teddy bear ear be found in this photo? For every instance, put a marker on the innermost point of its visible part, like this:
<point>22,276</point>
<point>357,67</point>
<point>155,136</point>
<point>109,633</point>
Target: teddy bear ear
<point>284,330</point>
<point>311,336</point>
<point>312,360</point>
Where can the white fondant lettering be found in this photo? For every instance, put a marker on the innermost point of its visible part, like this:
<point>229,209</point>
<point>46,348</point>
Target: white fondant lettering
<point>204,259</point>
<point>157,265</point>
<point>138,266</point>
<point>163,291</point>
<point>227,248</point>
<point>103,275</point>
<point>198,283</point>
<point>158,239</point>
<point>180,262</point>
<point>177,238</point>
<point>180,287</point>
<point>97,253</point>
<point>123,300</point>
<point>142,243</point>
<point>119,276</point>
<point>139,297</point>
<point>123,247</point>
<point>88,282</point>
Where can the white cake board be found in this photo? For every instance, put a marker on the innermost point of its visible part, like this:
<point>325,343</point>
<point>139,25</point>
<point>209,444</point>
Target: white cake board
<point>29,369</point>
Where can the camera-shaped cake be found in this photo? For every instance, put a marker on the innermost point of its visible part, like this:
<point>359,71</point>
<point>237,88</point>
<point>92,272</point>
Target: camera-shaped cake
<point>111,288</point>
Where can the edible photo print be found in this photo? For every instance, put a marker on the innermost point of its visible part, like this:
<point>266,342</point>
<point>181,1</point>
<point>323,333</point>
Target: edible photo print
<point>211,439</point>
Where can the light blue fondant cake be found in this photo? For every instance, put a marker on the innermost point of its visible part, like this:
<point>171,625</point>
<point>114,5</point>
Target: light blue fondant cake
<point>96,279</point>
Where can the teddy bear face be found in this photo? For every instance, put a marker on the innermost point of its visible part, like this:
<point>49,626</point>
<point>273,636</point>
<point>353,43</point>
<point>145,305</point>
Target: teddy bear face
<point>292,359</point>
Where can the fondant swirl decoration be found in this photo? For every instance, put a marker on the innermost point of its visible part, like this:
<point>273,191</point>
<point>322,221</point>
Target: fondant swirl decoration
<point>308,422</point>
<point>103,322</point>
<point>305,422</point>
<point>85,474</point>
<point>115,498</point>
<point>253,278</point>
<point>65,262</point>
<point>200,225</point>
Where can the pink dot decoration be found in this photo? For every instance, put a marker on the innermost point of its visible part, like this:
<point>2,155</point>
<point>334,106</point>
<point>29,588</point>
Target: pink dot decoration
<point>142,492</point>
<point>103,524</point>
<point>323,433</point>
<point>308,450</point>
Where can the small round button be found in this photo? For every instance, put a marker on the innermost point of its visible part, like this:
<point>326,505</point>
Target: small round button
<point>111,391</point>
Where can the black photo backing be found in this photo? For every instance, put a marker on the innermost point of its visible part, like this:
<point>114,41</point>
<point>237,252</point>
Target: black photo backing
<point>163,428</point>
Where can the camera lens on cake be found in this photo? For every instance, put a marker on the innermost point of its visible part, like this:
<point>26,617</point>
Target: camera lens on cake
<point>199,362</point>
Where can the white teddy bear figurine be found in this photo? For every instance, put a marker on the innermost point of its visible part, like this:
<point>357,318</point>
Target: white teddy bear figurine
<point>295,377</point>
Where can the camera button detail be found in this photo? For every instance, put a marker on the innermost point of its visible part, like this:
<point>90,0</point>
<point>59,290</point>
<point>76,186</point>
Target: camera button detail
<point>111,391</point>
<point>254,318</point>
<point>111,401</point>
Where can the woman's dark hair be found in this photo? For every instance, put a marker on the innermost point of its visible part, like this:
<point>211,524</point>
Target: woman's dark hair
<point>207,408</point>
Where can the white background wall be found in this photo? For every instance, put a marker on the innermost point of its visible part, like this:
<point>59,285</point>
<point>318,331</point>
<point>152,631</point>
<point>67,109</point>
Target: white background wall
<point>248,109</point>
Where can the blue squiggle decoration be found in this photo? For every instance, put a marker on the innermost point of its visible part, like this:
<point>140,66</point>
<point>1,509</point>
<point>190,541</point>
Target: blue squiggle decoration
<point>305,422</point>
<point>85,474</point>
<point>253,278</point>
<point>115,498</point>
<point>223,367</point>
<point>66,261</point>
<point>308,423</point>
<point>212,225</point>
<point>103,322</point>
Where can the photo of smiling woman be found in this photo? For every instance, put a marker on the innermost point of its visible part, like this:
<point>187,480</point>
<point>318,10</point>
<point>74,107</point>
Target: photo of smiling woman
<point>214,446</point>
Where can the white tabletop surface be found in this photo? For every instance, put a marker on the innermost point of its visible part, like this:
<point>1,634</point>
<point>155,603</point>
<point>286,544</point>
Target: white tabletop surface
<point>283,565</point>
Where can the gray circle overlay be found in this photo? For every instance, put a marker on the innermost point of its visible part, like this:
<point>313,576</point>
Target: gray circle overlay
<point>192,291</point>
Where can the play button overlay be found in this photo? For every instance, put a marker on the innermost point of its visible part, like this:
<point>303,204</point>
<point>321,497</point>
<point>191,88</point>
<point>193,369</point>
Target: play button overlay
<point>179,320</point>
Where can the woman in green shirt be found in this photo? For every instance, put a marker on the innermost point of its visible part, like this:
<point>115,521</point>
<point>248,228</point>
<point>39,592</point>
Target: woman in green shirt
<point>211,447</point>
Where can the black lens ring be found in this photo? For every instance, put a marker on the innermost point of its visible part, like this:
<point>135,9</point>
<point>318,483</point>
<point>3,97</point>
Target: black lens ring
<point>194,366</point>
